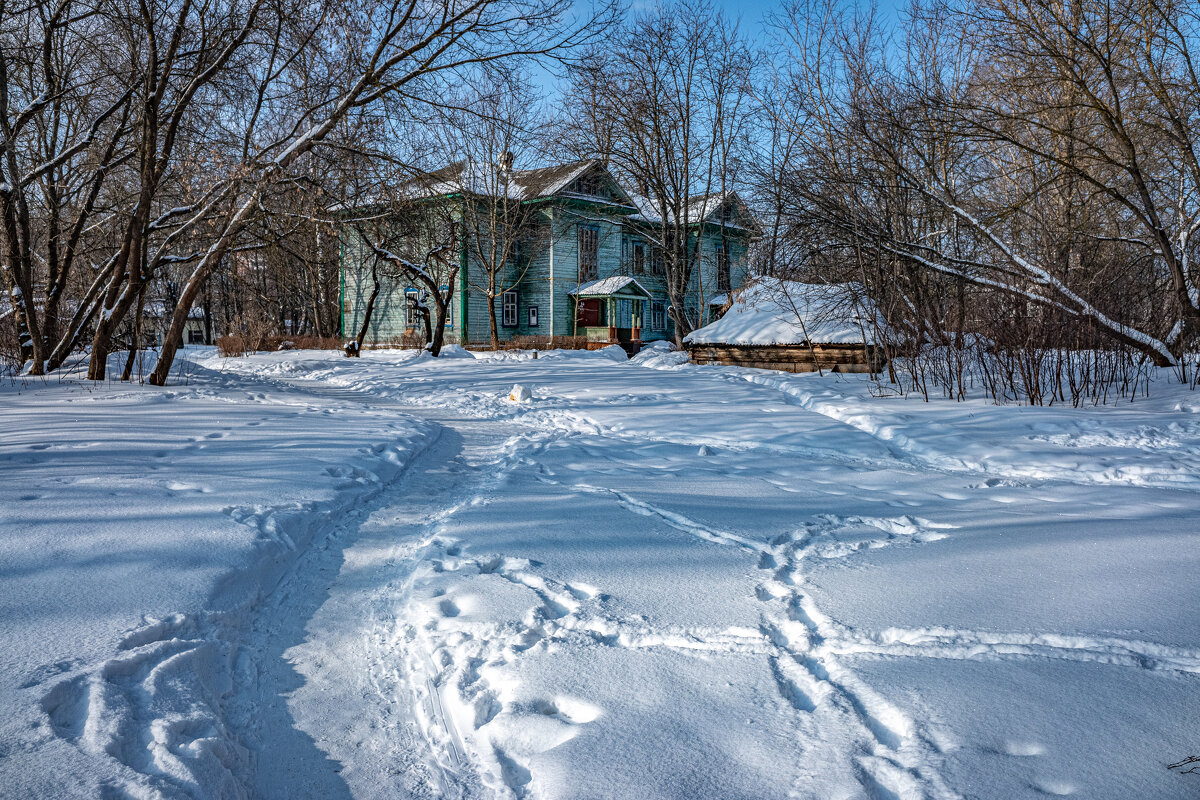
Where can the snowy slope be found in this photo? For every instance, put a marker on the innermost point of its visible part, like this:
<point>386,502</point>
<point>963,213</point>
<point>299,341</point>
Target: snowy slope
<point>681,582</point>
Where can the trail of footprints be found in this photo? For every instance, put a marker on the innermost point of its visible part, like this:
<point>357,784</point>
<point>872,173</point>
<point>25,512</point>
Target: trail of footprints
<point>843,724</point>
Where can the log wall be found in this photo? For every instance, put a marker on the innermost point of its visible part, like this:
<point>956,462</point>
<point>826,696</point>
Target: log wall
<point>791,357</point>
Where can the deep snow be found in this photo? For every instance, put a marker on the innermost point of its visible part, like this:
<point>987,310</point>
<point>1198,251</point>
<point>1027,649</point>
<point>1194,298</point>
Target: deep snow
<point>310,576</point>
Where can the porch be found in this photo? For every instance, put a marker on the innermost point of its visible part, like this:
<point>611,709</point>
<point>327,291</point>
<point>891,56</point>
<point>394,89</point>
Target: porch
<point>611,311</point>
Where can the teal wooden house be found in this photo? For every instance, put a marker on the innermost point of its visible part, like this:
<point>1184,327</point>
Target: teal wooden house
<point>584,264</point>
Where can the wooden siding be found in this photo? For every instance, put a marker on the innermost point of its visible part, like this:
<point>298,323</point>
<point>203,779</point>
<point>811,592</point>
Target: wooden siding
<point>539,285</point>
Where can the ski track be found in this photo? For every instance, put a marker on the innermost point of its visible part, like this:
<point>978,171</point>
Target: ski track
<point>171,705</point>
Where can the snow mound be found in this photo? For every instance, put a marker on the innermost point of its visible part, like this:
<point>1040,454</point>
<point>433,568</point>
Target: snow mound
<point>659,355</point>
<point>455,351</point>
<point>788,312</point>
<point>611,353</point>
<point>520,394</point>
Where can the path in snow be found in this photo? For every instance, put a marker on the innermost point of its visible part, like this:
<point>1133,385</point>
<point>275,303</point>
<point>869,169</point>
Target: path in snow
<point>652,584</point>
<point>496,648</point>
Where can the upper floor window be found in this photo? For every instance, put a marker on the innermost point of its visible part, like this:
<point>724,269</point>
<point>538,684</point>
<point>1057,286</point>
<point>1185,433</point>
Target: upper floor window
<point>589,253</point>
<point>639,258</point>
<point>723,276</point>
<point>658,264</point>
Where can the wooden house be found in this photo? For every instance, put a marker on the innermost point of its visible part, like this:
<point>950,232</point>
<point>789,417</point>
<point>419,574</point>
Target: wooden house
<point>794,327</point>
<point>587,267</point>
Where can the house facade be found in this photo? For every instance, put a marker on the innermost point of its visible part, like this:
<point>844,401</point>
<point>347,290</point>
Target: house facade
<point>585,263</point>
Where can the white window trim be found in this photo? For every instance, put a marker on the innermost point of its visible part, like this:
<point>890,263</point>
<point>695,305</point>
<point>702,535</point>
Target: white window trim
<point>412,317</point>
<point>505,305</point>
<point>658,315</point>
<point>445,290</point>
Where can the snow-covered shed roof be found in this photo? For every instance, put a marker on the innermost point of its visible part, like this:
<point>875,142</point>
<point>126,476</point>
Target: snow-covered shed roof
<point>608,286</point>
<point>161,309</point>
<point>774,311</point>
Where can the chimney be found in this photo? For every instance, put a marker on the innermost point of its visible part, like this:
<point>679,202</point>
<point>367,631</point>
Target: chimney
<point>505,161</point>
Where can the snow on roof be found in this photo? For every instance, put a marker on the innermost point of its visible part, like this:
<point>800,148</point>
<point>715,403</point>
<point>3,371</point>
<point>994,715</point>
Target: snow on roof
<point>522,184</point>
<point>773,311</point>
<point>699,208</point>
<point>161,309</point>
<point>607,286</point>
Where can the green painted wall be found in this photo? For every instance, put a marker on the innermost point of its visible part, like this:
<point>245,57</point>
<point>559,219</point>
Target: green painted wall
<point>550,275</point>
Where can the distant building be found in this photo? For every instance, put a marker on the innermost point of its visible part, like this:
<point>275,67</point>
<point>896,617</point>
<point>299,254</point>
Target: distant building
<point>591,269</point>
<point>157,321</point>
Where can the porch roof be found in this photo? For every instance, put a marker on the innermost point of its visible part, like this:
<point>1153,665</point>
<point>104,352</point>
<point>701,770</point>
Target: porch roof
<point>608,287</point>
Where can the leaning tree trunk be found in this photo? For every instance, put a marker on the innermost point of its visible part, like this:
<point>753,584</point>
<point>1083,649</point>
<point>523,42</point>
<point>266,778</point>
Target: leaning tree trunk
<point>441,304</point>
<point>367,314</point>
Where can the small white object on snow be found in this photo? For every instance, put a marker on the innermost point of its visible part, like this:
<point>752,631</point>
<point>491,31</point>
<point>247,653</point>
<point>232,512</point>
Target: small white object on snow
<point>704,450</point>
<point>520,394</point>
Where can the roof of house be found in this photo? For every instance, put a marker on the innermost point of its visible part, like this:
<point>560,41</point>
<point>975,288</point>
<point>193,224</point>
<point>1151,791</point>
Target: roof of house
<point>774,311</point>
<point>161,309</point>
<point>488,180</point>
<point>706,208</point>
<point>607,286</point>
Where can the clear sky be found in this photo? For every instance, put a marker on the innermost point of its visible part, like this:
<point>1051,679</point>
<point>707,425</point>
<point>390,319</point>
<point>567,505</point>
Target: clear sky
<point>750,13</point>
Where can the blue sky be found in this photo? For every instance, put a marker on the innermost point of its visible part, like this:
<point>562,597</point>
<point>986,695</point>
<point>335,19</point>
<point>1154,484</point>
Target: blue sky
<point>751,14</point>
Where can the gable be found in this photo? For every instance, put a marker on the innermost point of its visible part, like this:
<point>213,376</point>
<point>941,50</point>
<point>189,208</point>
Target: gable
<point>596,183</point>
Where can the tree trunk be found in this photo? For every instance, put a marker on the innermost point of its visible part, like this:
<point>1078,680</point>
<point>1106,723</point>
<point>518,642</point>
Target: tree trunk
<point>137,336</point>
<point>495,334</point>
<point>370,310</point>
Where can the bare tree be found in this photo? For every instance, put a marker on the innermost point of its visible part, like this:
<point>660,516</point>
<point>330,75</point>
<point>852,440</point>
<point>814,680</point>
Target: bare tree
<point>1017,149</point>
<point>491,134</point>
<point>407,54</point>
<point>665,106</point>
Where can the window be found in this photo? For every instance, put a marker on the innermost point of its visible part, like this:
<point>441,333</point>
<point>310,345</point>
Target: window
<point>639,258</point>
<point>514,252</point>
<point>195,336</point>
<point>589,185</point>
<point>589,253</point>
<point>508,309</point>
<point>532,312</point>
<point>412,317</point>
<point>445,290</point>
<point>658,316</point>
<point>723,282</point>
<point>658,265</point>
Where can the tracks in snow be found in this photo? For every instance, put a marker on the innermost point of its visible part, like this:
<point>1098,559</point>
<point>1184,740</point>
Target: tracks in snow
<point>881,747</point>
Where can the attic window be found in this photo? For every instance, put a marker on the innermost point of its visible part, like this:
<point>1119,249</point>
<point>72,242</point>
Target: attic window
<point>589,185</point>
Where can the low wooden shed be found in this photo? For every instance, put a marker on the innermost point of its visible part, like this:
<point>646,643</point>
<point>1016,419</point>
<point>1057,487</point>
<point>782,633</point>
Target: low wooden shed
<point>794,327</point>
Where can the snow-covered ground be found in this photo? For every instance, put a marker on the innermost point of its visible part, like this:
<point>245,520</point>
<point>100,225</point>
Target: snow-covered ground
<point>302,575</point>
